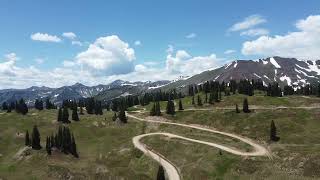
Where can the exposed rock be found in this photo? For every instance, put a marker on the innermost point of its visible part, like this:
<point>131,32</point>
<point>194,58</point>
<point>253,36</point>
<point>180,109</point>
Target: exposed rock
<point>23,153</point>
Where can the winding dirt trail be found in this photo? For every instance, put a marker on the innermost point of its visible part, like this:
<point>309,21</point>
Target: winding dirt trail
<point>170,168</point>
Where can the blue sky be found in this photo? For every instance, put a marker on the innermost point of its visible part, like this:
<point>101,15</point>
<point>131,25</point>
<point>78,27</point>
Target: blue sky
<point>199,32</point>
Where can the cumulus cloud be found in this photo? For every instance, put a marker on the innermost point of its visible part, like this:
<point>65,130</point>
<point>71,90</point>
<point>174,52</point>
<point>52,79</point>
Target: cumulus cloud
<point>39,60</point>
<point>137,43</point>
<point>230,51</point>
<point>255,32</point>
<point>69,35</point>
<point>108,55</point>
<point>191,35</point>
<point>304,43</point>
<point>45,37</point>
<point>248,22</point>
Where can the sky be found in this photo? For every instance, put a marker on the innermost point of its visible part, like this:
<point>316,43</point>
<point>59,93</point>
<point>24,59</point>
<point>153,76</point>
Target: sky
<point>62,42</point>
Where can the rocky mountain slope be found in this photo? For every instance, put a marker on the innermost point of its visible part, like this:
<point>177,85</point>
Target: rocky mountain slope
<point>285,71</point>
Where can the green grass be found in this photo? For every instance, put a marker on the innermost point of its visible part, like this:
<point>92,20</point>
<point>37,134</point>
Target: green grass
<point>106,150</point>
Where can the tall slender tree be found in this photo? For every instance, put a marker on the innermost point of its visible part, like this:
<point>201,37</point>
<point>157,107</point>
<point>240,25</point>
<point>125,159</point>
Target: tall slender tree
<point>180,105</point>
<point>273,132</point>
<point>75,116</point>
<point>27,139</point>
<point>199,101</point>
<point>246,106</point>
<point>35,138</point>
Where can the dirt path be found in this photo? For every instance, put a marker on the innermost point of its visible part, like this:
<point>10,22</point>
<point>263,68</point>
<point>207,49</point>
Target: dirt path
<point>171,170</point>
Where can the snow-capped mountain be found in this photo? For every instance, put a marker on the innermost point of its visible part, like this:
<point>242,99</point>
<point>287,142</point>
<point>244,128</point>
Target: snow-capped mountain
<point>285,71</point>
<point>76,91</point>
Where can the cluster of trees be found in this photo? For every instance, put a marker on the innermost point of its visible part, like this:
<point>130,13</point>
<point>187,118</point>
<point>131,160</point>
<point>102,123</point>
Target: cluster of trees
<point>156,109</point>
<point>50,105</point>
<point>34,141</point>
<point>121,116</point>
<point>63,114</point>
<point>19,106</point>
<point>245,106</point>
<point>64,141</point>
<point>170,107</point>
<point>38,104</point>
<point>93,106</point>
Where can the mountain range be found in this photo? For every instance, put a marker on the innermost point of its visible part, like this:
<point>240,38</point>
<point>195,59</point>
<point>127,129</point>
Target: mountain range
<point>285,71</point>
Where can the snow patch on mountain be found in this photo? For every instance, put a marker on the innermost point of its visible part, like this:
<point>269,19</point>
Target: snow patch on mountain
<point>285,77</point>
<point>275,63</point>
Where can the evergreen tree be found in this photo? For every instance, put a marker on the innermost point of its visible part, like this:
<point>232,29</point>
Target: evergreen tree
<point>114,117</point>
<point>9,110</point>
<point>60,117</point>
<point>81,110</point>
<point>35,138</point>
<point>246,106</point>
<point>48,146</point>
<point>65,115</point>
<point>22,107</point>
<point>273,132</point>
<point>180,105</point>
<point>161,175</point>
<point>4,106</point>
<point>122,116</point>
<point>199,101</point>
<point>75,116</point>
<point>27,139</point>
<point>170,107</point>
<point>74,151</point>
<point>237,109</point>
<point>153,110</point>
<point>158,109</point>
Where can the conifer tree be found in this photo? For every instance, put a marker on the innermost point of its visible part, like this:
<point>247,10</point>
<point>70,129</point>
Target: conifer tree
<point>170,107</point>
<point>75,116</point>
<point>65,115</point>
<point>122,116</point>
<point>199,101</point>
<point>158,109</point>
<point>48,145</point>
<point>74,151</point>
<point>9,110</point>
<point>60,117</point>
<point>161,175</point>
<point>180,105</point>
<point>153,110</point>
<point>81,110</point>
<point>273,132</point>
<point>35,138</point>
<point>4,106</point>
<point>246,106</point>
<point>114,117</point>
<point>237,109</point>
<point>27,139</point>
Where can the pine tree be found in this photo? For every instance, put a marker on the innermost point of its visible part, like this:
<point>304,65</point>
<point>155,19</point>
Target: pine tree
<point>158,109</point>
<point>4,106</point>
<point>199,101</point>
<point>180,105</point>
<point>273,132</point>
<point>35,141</point>
<point>75,116</point>
<point>74,151</point>
<point>153,110</point>
<point>65,115</point>
<point>237,109</point>
<point>48,146</point>
<point>27,139</point>
<point>170,107</point>
<point>246,106</point>
<point>22,107</point>
<point>60,117</point>
<point>114,117</point>
<point>122,116</point>
<point>161,175</point>
<point>193,103</point>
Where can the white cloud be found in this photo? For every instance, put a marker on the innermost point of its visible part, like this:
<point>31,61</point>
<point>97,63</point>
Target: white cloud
<point>11,57</point>
<point>191,36</point>
<point>248,22</point>
<point>304,43</point>
<point>255,32</point>
<point>137,43</point>
<point>68,63</point>
<point>108,55</point>
<point>45,37</point>
<point>76,43</point>
<point>230,51</point>
<point>69,35</point>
